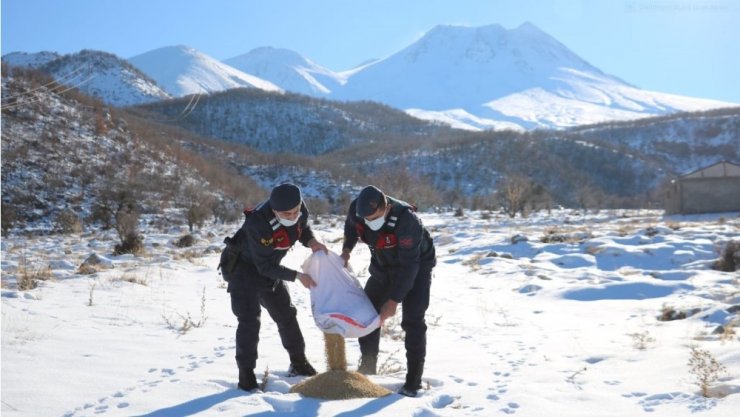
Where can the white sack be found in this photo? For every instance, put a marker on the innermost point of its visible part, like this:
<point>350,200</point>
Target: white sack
<point>338,302</point>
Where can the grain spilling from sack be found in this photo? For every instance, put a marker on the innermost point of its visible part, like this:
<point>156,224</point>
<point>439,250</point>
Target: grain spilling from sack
<point>336,358</point>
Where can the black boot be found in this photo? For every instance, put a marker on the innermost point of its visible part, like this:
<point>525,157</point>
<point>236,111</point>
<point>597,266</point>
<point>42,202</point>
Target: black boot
<point>247,380</point>
<point>413,379</point>
<point>299,366</point>
<point>368,365</point>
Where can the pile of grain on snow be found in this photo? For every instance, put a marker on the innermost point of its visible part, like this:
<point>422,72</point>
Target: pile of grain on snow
<point>339,385</point>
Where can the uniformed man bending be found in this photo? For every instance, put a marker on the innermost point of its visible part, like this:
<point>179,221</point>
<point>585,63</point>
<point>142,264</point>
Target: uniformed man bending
<point>402,258</point>
<point>271,229</point>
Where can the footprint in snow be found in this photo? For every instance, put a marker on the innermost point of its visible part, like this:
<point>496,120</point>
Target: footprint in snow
<point>220,351</point>
<point>443,401</point>
<point>281,406</point>
<point>510,408</point>
<point>695,403</point>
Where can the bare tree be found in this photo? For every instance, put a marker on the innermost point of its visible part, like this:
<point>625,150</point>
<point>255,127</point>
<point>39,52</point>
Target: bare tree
<point>540,198</point>
<point>124,200</point>
<point>199,205</point>
<point>226,211</point>
<point>127,226</point>
<point>9,216</point>
<point>513,193</point>
<point>402,184</point>
<point>590,197</point>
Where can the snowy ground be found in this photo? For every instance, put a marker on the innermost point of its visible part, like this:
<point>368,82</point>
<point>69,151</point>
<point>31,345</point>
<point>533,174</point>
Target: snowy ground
<point>526,328</point>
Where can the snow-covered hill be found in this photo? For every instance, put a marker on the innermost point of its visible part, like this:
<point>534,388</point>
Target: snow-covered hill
<point>678,144</point>
<point>622,162</point>
<point>182,70</point>
<point>65,154</point>
<point>290,123</point>
<point>289,70</point>
<point>98,74</point>
<point>617,161</point>
<point>483,77</point>
<point>30,60</point>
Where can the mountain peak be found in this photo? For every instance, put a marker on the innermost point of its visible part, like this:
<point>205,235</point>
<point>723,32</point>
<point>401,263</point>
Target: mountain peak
<point>450,29</point>
<point>529,27</point>
<point>97,73</point>
<point>31,60</point>
<point>285,56</point>
<point>106,76</point>
<point>461,67</point>
<point>184,70</point>
<point>171,52</point>
<point>288,69</point>
<point>521,75</point>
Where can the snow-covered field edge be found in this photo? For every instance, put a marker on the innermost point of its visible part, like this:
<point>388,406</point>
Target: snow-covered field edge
<point>555,314</point>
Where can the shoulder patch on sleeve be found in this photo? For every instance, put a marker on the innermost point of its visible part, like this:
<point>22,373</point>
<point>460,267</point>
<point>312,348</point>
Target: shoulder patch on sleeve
<point>266,242</point>
<point>406,242</point>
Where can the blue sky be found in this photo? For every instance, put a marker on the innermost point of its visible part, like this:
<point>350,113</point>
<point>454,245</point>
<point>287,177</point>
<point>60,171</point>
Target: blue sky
<point>685,47</point>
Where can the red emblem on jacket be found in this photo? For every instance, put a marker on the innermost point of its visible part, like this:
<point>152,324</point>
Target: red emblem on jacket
<point>386,241</point>
<point>280,239</point>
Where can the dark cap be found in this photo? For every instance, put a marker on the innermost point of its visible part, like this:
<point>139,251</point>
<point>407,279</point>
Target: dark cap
<point>285,197</point>
<point>370,199</point>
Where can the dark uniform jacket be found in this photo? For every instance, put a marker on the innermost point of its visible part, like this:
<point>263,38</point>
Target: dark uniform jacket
<point>399,249</point>
<point>266,244</point>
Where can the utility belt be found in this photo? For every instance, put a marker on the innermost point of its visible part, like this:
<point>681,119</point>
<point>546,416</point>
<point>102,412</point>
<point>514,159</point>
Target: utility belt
<point>387,257</point>
<point>249,277</point>
<point>388,274</point>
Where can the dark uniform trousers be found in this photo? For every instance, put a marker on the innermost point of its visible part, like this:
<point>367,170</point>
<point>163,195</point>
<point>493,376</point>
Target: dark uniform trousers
<point>246,300</point>
<point>414,307</point>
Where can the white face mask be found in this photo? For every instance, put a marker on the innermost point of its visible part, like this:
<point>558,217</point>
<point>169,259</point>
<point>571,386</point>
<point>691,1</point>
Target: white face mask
<point>376,224</point>
<point>288,223</point>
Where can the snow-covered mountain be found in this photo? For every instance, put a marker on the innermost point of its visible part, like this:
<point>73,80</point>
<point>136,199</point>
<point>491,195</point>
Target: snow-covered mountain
<point>288,69</point>
<point>475,78</point>
<point>96,73</point>
<point>30,60</point>
<point>483,77</point>
<point>182,70</point>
